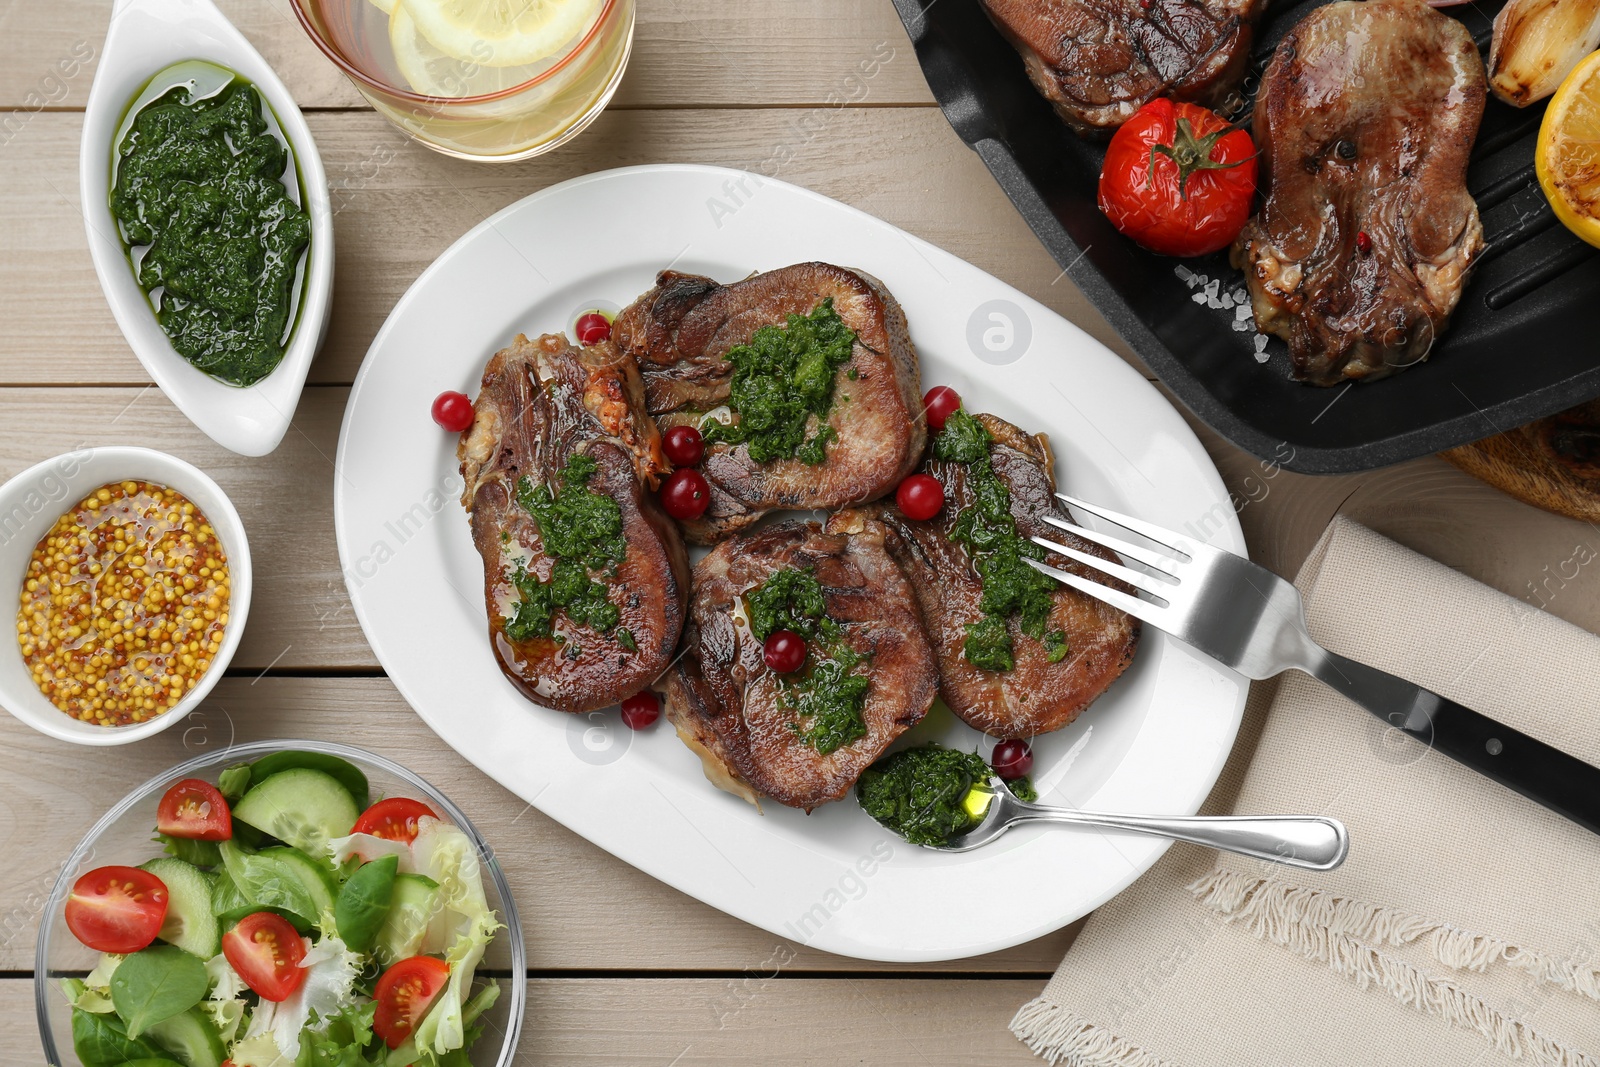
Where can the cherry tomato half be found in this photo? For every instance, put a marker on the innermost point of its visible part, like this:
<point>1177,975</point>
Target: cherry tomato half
<point>641,710</point>
<point>685,494</point>
<point>266,952</point>
<point>117,909</point>
<point>591,330</point>
<point>1179,179</point>
<point>940,403</point>
<point>919,497</point>
<point>784,652</point>
<point>1012,759</point>
<point>683,445</point>
<point>394,819</point>
<point>453,411</point>
<point>404,993</point>
<point>194,808</point>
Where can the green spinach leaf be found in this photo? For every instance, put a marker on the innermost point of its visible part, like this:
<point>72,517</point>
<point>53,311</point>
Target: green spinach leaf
<point>156,984</point>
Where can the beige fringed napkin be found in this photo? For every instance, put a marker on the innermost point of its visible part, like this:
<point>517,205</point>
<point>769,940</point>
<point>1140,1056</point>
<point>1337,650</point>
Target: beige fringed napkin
<point>1464,929</point>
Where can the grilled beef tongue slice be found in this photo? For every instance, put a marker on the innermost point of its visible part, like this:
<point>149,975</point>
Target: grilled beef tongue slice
<point>1365,121</point>
<point>1036,696</point>
<point>541,404</point>
<point>1099,61</point>
<point>680,331</point>
<point>737,715</point>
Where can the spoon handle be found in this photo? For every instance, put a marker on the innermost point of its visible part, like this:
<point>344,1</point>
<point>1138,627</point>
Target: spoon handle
<point>1310,841</point>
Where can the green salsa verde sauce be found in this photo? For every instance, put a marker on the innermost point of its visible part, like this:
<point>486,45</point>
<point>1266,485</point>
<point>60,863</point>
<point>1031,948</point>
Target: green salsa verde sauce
<point>920,793</point>
<point>581,531</point>
<point>989,532</point>
<point>828,697</point>
<point>782,377</point>
<point>206,197</point>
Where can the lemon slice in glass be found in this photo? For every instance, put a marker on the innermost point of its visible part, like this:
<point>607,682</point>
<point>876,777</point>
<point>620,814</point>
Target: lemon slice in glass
<point>386,6</point>
<point>501,33</point>
<point>432,73</point>
<point>1567,156</point>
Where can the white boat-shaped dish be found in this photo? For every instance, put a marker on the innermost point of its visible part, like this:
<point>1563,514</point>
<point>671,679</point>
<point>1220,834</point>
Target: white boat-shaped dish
<point>835,880</point>
<point>146,37</point>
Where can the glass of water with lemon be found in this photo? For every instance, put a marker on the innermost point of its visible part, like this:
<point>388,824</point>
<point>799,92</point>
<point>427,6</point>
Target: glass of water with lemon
<point>479,79</point>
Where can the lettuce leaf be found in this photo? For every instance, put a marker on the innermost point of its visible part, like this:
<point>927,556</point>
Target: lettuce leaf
<point>329,988</point>
<point>461,930</point>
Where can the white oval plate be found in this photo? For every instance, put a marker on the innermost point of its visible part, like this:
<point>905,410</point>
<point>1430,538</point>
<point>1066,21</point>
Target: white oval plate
<point>834,880</point>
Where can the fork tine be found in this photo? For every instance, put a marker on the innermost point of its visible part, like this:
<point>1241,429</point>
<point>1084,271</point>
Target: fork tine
<point>1138,579</point>
<point>1153,560</point>
<point>1143,610</point>
<point>1158,534</point>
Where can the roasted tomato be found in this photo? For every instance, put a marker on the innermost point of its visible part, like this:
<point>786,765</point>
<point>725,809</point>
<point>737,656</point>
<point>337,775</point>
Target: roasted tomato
<point>394,818</point>
<point>1179,179</point>
<point>194,808</point>
<point>117,909</point>
<point>404,993</point>
<point>266,952</point>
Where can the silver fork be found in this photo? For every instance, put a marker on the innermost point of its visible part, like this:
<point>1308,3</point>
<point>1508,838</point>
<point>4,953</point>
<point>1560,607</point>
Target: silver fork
<point>1248,618</point>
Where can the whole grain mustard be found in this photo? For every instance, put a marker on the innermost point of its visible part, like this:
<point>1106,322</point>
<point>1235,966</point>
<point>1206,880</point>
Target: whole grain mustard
<point>124,605</point>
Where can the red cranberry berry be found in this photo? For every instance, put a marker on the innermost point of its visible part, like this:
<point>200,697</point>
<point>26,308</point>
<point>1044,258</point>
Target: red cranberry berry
<point>641,710</point>
<point>784,652</point>
<point>592,328</point>
<point>940,403</point>
<point>453,411</point>
<point>683,446</point>
<point>1012,759</point>
<point>919,497</point>
<point>685,494</point>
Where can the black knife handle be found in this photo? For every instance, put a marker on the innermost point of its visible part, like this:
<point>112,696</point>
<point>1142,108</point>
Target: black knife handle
<point>1544,774</point>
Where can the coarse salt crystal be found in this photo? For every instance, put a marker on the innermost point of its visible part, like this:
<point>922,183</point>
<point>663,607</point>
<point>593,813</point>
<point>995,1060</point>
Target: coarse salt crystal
<point>1261,348</point>
<point>1241,312</point>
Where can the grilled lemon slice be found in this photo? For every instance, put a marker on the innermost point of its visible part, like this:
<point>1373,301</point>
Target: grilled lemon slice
<point>501,33</point>
<point>1567,157</point>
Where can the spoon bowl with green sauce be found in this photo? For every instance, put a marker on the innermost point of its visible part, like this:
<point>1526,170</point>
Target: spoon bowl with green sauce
<point>208,218</point>
<point>948,800</point>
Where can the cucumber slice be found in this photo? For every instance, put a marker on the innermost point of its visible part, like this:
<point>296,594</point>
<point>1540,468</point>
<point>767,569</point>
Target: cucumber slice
<point>190,922</point>
<point>347,773</point>
<point>410,910</point>
<point>190,1038</point>
<point>300,807</point>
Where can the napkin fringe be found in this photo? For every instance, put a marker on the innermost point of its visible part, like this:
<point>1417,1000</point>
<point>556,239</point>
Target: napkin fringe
<point>1333,930</point>
<point>1061,1036</point>
<point>1299,918</point>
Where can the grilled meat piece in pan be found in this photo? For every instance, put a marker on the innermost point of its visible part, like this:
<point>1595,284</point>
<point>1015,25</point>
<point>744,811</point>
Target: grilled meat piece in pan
<point>871,433</point>
<point>1036,695</point>
<point>750,726</point>
<point>1099,61</point>
<point>585,578</point>
<point>1365,121</point>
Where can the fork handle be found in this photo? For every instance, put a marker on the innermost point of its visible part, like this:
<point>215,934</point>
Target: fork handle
<point>1314,842</point>
<point>1544,774</point>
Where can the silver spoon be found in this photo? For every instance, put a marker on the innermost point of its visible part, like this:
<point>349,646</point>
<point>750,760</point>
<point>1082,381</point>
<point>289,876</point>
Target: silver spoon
<point>1310,841</point>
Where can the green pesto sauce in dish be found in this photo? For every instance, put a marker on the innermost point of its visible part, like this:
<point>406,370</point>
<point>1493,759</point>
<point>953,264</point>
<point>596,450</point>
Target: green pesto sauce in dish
<point>215,235</point>
<point>782,378</point>
<point>581,530</point>
<point>827,696</point>
<point>987,529</point>
<point>920,793</point>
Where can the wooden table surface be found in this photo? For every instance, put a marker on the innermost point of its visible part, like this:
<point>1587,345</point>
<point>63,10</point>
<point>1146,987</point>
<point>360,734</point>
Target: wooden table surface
<point>622,969</point>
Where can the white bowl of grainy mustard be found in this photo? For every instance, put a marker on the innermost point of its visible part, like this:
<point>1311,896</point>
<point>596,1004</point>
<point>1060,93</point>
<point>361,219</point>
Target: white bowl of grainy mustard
<point>125,574</point>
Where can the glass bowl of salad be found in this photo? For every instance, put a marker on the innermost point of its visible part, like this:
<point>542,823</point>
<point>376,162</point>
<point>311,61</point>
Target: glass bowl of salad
<point>281,904</point>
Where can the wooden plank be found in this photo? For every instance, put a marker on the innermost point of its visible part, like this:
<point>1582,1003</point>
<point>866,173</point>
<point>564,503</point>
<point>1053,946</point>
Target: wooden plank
<point>686,53</point>
<point>689,1022</point>
<point>581,908</point>
<point>400,205</point>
